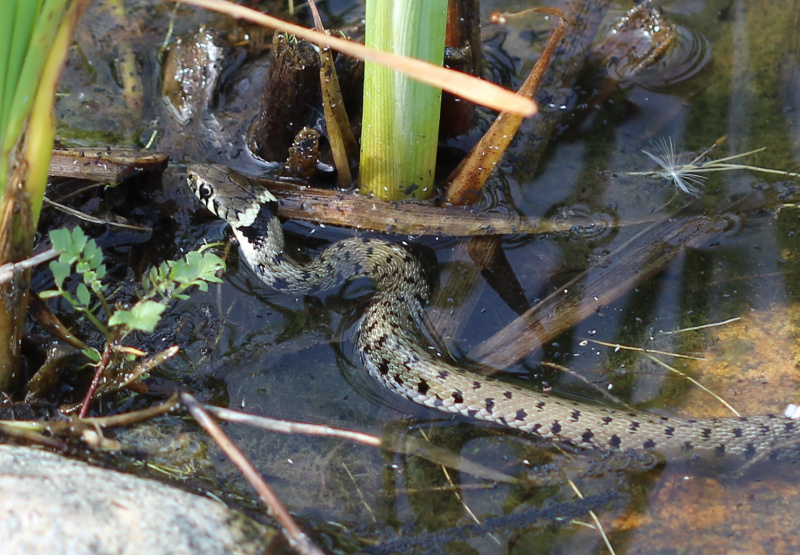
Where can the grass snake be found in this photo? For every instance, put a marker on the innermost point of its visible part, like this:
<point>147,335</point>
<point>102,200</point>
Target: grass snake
<point>390,347</point>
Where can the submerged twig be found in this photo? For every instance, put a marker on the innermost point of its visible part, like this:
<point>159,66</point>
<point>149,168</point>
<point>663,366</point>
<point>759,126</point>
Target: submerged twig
<point>287,427</point>
<point>467,509</point>
<point>600,390</point>
<point>360,493</point>
<point>649,354</point>
<point>598,526</point>
<point>458,495</point>
<point>296,537</point>
<point>91,219</point>
<point>693,382</point>
<point>589,291</point>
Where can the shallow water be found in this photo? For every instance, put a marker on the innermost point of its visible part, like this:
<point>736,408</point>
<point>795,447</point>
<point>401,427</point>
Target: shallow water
<point>292,358</point>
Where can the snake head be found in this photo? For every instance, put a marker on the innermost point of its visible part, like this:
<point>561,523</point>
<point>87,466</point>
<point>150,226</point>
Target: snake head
<point>231,196</point>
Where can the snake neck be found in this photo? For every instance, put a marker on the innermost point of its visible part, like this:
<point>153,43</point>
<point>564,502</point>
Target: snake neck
<point>396,274</point>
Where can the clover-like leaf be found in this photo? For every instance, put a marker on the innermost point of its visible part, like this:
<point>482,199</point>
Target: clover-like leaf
<point>82,292</point>
<point>93,254</point>
<point>69,243</point>
<point>60,272</point>
<point>144,316</point>
<point>62,240</point>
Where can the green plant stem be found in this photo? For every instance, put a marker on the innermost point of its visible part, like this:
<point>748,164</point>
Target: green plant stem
<point>76,305</point>
<point>101,327</point>
<point>103,302</point>
<point>401,117</point>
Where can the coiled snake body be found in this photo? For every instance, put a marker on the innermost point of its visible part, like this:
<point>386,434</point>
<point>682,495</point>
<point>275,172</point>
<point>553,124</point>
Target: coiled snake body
<point>388,341</point>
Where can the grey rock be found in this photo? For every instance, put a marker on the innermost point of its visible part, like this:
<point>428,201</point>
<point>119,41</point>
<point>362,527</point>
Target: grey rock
<point>51,504</point>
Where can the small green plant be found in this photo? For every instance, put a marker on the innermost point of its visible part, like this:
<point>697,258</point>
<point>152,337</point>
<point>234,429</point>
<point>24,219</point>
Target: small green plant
<point>164,282</point>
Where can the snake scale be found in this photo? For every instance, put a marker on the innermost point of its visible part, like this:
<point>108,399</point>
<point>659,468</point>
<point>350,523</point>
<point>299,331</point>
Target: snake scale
<point>389,347</point>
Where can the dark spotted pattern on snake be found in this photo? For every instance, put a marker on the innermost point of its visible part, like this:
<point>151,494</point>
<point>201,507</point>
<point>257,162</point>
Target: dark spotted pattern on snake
<point>388,341</point>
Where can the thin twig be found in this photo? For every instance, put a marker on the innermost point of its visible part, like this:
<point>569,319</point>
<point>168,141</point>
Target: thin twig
<point>618,347</point>
<point>297,539</point>
<point>76,428</point>
<point>8,270</point>
<point>134,417</point>
<point>98,374</point>
<point>14,430</point>
<point>91,219</point>
<point>598,526</point>
<point>704,326</point>
<point>287,427</point>
<point>693,381</point>
<point>608,395</point>
<point>102,385</point>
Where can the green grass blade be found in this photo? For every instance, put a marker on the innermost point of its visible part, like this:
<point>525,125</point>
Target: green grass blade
<point>6,38</point>
<point>41,127</point>
<point>39,46</point>
<point>401,116</point>
<point>23,17</point>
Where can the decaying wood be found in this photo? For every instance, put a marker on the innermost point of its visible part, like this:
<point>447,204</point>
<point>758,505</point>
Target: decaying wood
<point>352,210</point>
<point>104,165</point>
<point>292,86</point>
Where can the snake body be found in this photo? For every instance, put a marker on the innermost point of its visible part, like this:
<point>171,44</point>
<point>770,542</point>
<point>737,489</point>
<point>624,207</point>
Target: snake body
<point>389,344</point>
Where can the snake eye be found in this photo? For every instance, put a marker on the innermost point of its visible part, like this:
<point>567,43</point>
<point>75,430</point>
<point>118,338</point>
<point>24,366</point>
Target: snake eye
<point>204,191</point>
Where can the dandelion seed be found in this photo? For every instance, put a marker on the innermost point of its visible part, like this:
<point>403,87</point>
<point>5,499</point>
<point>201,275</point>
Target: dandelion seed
<point>687,175</point>
<point>674,167</point>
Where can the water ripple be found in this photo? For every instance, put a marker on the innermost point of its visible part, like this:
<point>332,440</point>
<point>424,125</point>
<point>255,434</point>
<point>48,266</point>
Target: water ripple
<point>689,56</point>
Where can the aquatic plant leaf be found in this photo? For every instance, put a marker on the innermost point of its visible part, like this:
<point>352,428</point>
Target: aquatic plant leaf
<point>60,272</point>
<point>144,316</point>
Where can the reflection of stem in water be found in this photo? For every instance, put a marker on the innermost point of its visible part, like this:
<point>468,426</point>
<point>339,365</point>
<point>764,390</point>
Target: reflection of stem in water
<point>640,257</point>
